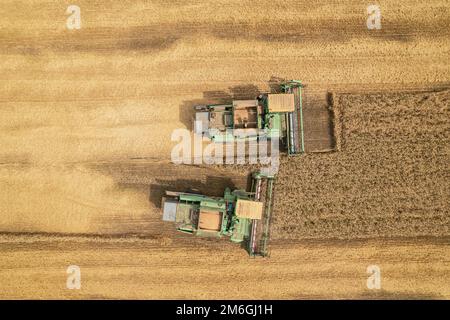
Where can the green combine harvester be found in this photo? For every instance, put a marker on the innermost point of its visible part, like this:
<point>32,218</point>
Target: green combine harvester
<point>269,116</point>
<point>242,216</point>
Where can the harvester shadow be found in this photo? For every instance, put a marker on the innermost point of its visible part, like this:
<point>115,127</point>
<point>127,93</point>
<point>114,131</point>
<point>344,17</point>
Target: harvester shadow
<point>212,186</point>
<point>241,92</point>
<point>275,84</point>
<point>334,124</point>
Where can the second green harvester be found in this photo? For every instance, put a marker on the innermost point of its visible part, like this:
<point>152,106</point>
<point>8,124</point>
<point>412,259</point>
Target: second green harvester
<point>243,216</point>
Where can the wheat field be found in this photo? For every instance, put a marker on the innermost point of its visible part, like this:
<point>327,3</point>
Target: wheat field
<point>86,118</point>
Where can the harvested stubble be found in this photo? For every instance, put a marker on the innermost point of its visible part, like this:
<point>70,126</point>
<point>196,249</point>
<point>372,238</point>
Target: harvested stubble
<point>389,179</point>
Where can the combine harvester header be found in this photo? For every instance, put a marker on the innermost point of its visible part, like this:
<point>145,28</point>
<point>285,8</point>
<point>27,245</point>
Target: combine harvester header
<point>272,116</point>
<point>242,216</point>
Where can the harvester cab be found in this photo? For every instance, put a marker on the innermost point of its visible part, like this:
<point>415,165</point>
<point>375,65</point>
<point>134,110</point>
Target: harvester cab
<point>269,116</point>
<point>242,216</point>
